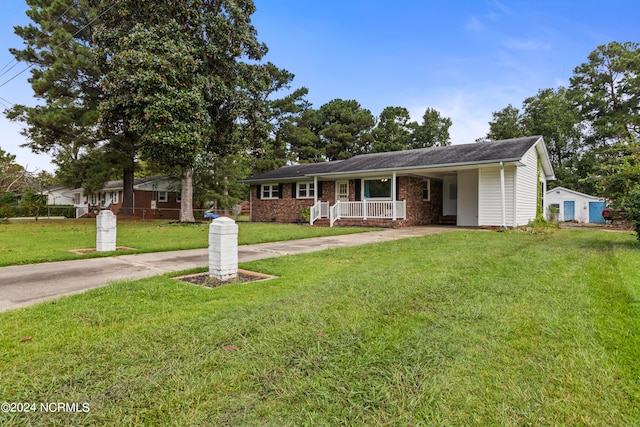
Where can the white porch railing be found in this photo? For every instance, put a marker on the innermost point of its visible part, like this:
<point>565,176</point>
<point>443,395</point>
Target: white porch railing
<point>81,210</point>
<point>319,210</point>
<point>368,209</point>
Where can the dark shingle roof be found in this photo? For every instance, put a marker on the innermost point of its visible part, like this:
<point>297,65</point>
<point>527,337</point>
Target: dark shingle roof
<point>295,171</point>
<point>481,152</point>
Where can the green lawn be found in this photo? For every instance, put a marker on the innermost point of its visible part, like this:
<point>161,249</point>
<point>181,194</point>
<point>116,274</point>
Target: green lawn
<point>30,242</point>
<point>469,328</point>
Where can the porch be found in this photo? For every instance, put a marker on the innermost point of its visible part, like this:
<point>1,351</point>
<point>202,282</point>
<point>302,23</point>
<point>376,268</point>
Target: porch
<point>365,210</point>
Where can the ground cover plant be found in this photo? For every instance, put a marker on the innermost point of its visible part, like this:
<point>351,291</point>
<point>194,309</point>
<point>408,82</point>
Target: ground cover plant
<point>463,328</point>
<point>26,243</point>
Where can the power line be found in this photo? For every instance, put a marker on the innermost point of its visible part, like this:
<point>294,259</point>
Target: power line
<point>41,33</point>
<point>65,41</point>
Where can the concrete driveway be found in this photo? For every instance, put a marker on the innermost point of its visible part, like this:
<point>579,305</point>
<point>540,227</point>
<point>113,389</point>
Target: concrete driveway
<point>23,285</point>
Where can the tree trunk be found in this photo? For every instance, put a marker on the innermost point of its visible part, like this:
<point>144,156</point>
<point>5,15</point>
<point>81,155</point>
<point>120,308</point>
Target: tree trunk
<point>127,191</point>
<point>186,205</point>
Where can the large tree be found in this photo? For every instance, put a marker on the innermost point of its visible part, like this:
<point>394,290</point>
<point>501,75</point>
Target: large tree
<point>552,114</point>
<point>393,130</point>
<point>337,130</point>
<point>606,89</point>
<point>176,77</point>
<point>65,77</point>
<point>12,175</point>
<point>345,128</point>
<point>433,131</point>
<point>506,124</point>
<point>302,137</point>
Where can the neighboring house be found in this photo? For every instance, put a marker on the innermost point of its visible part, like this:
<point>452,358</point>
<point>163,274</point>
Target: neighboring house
<point>494,183</point>
<point>153,197</point>
<point>59,195</point>
<point>575,206</point>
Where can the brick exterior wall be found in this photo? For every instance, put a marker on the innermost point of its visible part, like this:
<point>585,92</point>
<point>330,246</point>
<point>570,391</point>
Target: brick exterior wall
<point>142,206</point>
<point>419,211</point>
<point>286,209</point>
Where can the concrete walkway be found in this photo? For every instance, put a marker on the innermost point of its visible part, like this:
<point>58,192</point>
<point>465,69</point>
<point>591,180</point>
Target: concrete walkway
<point>23,285</point>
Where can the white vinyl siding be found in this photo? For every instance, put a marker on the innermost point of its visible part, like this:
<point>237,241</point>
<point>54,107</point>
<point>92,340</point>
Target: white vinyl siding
<point>527,188</point>
<point>489,196</point>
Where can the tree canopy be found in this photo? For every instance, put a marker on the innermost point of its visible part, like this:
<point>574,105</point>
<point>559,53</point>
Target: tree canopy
<point>592,128</point>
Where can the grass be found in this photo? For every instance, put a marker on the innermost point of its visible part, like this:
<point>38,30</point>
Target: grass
<point>466,328</point>
<point>32,242</point>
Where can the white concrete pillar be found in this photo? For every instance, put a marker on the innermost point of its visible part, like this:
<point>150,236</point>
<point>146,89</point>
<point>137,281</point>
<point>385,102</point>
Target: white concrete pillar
<point>223,249</point>
<point>105,231</point>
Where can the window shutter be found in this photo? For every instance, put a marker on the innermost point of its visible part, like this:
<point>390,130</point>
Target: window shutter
<point>358,190</point>
<point>397,188</point>
<point>294,194</point>
<point>259,191</point>
<point>280,191</point>
<point>319,189</point>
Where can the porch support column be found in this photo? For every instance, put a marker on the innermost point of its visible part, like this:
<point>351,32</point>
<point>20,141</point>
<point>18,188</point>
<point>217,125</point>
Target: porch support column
<point>393,196</point>
<point>503,199</point>
<point>315,190</point>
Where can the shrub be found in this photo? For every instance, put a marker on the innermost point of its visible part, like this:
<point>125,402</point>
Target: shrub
<point>6,212</point>
<point>538,226</point>
<point>68,211</point>
<point>305,214</point>
<point>633,210</point>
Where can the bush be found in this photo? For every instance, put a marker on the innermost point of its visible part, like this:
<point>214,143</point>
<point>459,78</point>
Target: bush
<point>633,210</point>
<point>305,214</point>
<point>6,212</point>
<point>538,226</point>
<point>68,211</point>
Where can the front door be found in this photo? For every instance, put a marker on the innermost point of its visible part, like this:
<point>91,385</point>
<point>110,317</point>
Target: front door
<point>450,202</point>
<point>342,191</point>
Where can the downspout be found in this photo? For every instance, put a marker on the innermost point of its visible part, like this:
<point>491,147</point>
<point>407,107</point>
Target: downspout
<point>315,200</point>
<point>503,199</point>
<point>393,196</point>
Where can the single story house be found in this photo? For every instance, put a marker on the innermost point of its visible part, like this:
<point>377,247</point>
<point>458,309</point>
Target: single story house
<point>59,195</point>
<point>570,205</point>
<point>153,197</point>
<point>493,183</point>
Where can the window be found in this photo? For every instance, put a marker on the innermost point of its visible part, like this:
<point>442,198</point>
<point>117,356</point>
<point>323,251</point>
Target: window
<point>377,188</point>
<point>270,191</point>
<point>305,190</point>
<point>426,189</point>
<point>162,196</point>
<point>114,197</point>
<point>178,197</point>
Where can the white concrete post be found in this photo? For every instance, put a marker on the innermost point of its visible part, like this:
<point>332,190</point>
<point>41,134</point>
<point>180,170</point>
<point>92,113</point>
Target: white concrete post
<point>105,231</point>
<point>223,249</point>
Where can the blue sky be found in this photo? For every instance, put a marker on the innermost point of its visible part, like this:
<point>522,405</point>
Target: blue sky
<point>466,59</point>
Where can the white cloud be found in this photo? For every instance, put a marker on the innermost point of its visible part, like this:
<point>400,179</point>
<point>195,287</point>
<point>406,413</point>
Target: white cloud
<point>470,109</point>
<point>501,7</point>
<point>473,24</point>
<point>529,45</point>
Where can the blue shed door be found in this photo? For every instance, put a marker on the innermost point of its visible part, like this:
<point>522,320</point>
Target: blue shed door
<point>569,210</point>
<point>595,212</point>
